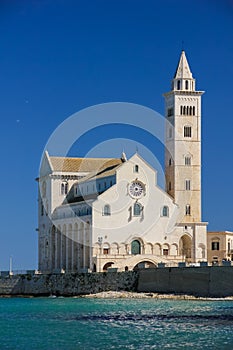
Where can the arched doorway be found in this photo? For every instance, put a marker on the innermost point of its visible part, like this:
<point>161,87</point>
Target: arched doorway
<point>107,265</point>
<point>144,265</point>
<point>186,246</point>
<point>135,247</point>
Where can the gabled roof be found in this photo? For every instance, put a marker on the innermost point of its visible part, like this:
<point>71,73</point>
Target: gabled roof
<point>63,164</point>
<point>183,71</point>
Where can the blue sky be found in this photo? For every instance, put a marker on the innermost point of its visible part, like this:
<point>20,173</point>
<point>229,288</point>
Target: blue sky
<point>58,57</point>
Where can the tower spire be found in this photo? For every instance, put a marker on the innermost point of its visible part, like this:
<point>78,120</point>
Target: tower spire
<point>183,78</point>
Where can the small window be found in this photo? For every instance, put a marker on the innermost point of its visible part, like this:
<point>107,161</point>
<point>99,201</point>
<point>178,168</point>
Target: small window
<point>190,110</point>
<point>184,110</point>
<point>106,251</point>
<point>170,112</point>
<point>64,188</point>
<point>165,252</point>
<point>187,131</point>
<point>170,162</point>
<point>193,110</point>
<point>136,168</point>
<point>186,84</point>
<point>42,209</point>
<point>187,160</point>
<point>169,186</point>
<point>188,210</point>
<point>178,85</point>
<point>181,110</point>
<point>170,133</point>
<point>107,210</point>
<point>215,245</point>
<point>165,211</point>
<point>137,209</point>
<point>187,185</point>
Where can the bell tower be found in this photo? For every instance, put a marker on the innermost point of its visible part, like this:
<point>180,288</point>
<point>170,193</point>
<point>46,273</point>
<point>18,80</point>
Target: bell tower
<point>183,143</point>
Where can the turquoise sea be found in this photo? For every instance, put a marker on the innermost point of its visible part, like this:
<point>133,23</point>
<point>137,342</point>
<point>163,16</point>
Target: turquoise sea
<point>79,323</point>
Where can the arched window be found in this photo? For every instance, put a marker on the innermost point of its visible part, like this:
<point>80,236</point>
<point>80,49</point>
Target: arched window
<point>178,85</point>
<point>165,211</point>
<point>184,110</point>
<point>187,131</point>
<point>190,110</point>
<point>135,247</point>
<point>137,209</point>
<point>188,210</point>
<point>186,84</point>
<point>107,210</point>
<point>193,110</point>
<point>170,162</point>
<point>181,110</point>
<point>136,168</point>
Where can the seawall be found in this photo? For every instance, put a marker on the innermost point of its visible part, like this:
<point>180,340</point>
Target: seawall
<point>208,281</point>
<point>68,284</point>
<point>214,281</point>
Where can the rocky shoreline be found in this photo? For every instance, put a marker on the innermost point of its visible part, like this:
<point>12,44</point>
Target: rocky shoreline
<point>135,295</point>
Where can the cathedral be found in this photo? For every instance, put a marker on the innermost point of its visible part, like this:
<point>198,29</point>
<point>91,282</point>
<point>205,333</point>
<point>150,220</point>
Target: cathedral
<point>99,214</point>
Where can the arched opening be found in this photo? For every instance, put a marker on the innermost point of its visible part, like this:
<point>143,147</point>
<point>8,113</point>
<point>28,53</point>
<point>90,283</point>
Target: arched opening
<point>107,210</point>
<point>107,265</point>
<point>144,265</point>
<point>136,247</point>
<point>178,85</point>
<point>137,209</point>
<point>186,246</point>
<point>94,268</point>
<point>165,210</point>
<point>186,84</point>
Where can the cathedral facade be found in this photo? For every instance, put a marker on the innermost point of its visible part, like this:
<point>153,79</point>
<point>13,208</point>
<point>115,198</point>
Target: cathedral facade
<point>102,213</point>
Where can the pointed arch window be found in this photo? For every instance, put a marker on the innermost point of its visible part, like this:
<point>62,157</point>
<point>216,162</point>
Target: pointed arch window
<point>178,85</point>
<point>186,84</point>
<point>107,210</point>
<point>137,209</point>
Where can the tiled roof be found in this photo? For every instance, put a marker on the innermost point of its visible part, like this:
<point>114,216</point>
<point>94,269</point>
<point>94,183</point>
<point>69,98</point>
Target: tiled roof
<point>104,172</point>
<point>83,164</point>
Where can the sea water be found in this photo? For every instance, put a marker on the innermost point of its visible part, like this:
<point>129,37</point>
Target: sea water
<point>79,323</point>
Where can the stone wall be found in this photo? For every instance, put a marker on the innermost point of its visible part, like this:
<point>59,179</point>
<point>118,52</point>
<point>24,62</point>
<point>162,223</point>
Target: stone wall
<point>215,281</point>
<point>68,284</point>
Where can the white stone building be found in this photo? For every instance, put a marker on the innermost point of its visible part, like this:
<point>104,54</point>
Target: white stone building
<point>100,213</point>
